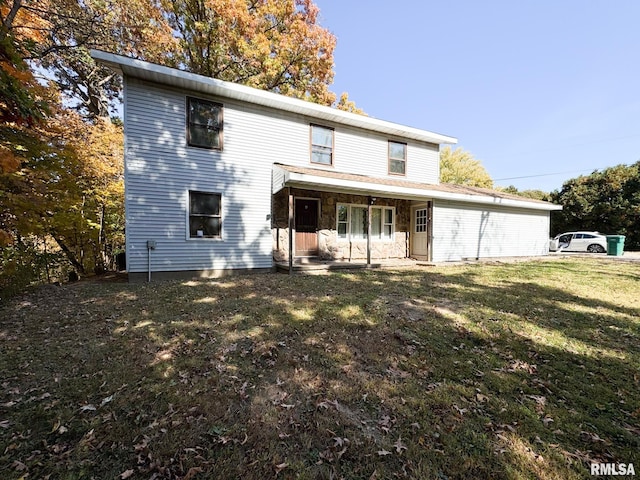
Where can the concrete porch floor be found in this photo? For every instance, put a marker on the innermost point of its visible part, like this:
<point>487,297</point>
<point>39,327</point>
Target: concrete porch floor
<point>312,264</point>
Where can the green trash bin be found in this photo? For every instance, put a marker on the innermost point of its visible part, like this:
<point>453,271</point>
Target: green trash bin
<point>615,245</point>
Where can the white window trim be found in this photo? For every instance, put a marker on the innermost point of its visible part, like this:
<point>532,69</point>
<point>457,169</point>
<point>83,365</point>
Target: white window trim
<point>382,223</point>
<point>187,204</point>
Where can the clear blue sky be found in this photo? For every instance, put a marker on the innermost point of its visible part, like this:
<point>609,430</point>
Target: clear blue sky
<point>531,87</point>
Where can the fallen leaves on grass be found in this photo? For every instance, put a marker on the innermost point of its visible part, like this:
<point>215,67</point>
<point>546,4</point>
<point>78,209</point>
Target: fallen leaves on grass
<point>399,445</point>
<point>280,467</point>
<point>593,437</point>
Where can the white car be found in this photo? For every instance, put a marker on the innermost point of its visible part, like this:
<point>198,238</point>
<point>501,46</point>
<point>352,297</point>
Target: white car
<point>592,242</point>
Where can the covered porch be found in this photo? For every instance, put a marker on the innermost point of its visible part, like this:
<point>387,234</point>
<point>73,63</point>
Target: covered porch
<point>344,221</point>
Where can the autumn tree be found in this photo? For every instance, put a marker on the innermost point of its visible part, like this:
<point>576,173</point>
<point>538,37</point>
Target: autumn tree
<point>607,201</point>
<point>22,99</point>
<point>60,170</point>
<point>348,105</point>
<point>460,167</point>
<point>129,27</point>
<point>274,45</point>
<point>59,193</point>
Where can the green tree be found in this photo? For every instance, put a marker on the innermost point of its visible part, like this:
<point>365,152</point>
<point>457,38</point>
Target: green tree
<point>607,201</point>
<point>460,167</point>
<point>533,194</point>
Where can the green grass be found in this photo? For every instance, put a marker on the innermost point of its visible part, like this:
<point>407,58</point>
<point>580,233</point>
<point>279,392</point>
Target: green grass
<point>520,370</point>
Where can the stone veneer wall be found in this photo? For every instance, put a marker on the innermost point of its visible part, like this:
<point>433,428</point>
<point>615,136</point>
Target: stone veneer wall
<point>330,248</point>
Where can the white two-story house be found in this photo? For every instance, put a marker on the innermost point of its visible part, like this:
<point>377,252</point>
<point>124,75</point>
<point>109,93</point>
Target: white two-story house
<point>222,177</point>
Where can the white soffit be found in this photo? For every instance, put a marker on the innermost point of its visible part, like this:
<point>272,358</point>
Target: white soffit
<point>190,81</point>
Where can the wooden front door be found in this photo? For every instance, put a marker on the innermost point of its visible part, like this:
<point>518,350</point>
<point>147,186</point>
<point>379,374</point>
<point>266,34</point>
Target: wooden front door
<point>306,225</point>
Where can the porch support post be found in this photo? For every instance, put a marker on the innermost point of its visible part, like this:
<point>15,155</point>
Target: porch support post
<point>369,232</point>
<point>290,232</point>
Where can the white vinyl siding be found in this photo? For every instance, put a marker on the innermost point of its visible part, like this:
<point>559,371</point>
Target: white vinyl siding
<point>161,169</point>
<point>474,231</point>
<point>367,153</point>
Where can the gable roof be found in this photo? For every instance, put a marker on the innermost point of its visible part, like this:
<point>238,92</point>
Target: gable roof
<point>190,81</point>
<point>331,180</point>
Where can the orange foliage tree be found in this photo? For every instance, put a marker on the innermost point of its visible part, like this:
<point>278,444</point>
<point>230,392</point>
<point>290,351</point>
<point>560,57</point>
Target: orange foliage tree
<point>61,168</point>
<point>275,45</point>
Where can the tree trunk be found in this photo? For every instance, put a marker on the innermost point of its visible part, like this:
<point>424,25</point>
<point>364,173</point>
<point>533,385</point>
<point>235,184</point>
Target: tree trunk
<point>46,258</point>
<point>70,256</point>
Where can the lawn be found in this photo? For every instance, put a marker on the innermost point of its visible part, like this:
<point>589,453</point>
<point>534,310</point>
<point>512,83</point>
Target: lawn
<point>502,370</point>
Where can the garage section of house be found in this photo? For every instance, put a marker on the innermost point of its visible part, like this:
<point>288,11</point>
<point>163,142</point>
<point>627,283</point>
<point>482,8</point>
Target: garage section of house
<point>473,231</point>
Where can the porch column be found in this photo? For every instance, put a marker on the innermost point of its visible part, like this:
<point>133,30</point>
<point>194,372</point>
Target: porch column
<point>290,232</point>
<point>369,231</point>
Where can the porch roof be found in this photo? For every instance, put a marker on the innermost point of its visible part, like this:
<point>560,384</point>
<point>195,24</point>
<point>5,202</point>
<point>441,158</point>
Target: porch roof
<point>339,182</point>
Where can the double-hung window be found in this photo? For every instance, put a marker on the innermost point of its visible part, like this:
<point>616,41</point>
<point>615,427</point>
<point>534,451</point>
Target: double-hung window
<point>204,124</point>
<point>397,158</point>
<point>205,218</point>
<point>321,145</point>
<point>352,222</point>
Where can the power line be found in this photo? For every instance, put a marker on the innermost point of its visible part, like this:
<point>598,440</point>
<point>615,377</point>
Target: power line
<point>544,175</point>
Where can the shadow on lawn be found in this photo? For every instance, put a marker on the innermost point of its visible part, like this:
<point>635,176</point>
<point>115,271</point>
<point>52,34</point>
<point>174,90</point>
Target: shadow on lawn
<point>376,374</point>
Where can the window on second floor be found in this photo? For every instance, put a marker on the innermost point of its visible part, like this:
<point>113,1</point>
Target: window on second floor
<point>321,145</point>
<point>397,158</point>
<point>204,124</point>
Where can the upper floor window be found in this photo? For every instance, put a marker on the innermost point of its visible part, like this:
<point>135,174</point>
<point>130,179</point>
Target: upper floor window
<point>321,145</point>
<point>204,123</point>
<point>397,158</point>
<point>205,218</point>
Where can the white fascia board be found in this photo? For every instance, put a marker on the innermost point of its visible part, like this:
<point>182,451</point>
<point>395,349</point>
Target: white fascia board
<point>191,81</point>
<point>391,191</point>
